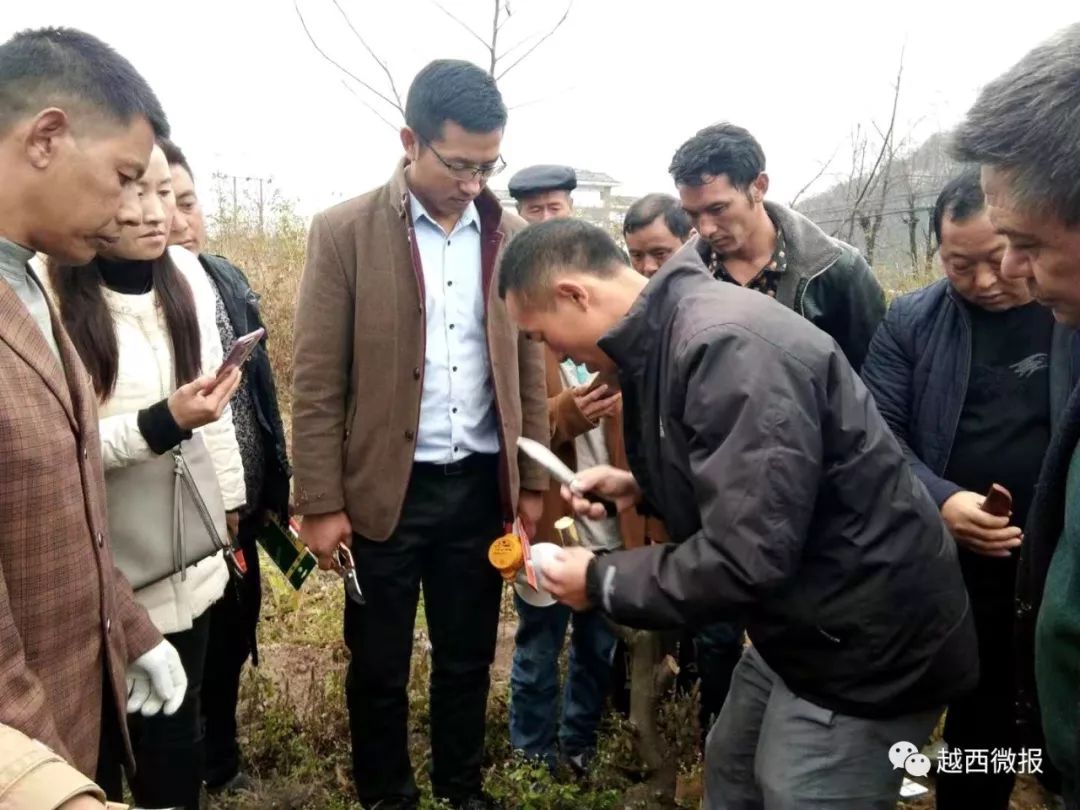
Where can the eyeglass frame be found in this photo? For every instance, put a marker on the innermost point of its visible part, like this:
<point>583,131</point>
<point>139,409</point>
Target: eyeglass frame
<point>475,172</point>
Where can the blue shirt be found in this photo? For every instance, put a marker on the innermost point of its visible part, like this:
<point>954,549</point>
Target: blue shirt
<point>457,407</point>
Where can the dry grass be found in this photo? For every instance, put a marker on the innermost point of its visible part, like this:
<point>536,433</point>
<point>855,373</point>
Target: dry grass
<point>273,260</point>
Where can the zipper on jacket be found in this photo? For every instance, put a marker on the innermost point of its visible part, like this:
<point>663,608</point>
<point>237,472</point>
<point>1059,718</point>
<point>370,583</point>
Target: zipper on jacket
<point>800,304</point>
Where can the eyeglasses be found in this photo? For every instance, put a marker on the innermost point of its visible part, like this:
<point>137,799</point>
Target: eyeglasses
<point>468,171</point>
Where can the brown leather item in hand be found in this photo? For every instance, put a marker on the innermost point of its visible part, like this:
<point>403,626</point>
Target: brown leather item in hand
<point>998,501</point>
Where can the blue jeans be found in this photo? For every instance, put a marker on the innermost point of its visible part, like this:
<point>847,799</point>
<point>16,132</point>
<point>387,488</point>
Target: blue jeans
<point>534,680</point>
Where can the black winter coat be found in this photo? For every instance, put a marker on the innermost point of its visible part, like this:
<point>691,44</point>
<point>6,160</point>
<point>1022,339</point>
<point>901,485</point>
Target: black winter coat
<point>789,499</point>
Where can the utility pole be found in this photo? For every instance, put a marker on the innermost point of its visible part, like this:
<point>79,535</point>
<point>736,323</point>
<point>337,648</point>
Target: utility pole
<point>263,182</point>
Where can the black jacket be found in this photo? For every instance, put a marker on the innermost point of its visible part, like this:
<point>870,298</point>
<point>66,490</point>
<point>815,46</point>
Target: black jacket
<point>918,369</point>
<point>828,282</point>
<point>789,500</point>
<point>242,305</point>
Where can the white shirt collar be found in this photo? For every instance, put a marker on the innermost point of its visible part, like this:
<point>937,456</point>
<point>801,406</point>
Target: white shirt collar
<point>470,216</point>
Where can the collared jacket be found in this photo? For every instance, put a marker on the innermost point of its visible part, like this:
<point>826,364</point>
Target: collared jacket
<point>69,623</point>
<point>918,369</point>
<point>359,361</point>
<point>827,281</point>
<point>788,501</point>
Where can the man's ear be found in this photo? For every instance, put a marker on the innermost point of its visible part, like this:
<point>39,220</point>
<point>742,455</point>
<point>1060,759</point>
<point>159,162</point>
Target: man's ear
<point>759,187</point>
<point>44,134</point>
<point>411,144</point>
<point>572,292</point>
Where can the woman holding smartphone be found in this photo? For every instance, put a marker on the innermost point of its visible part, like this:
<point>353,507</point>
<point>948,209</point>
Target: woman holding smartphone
<point>142,319</point>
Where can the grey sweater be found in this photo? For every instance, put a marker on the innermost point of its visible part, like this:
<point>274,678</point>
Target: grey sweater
<point>15,270</point>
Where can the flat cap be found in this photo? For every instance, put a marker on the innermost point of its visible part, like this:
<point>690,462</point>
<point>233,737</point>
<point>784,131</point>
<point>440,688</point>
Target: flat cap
<point>535,179</point>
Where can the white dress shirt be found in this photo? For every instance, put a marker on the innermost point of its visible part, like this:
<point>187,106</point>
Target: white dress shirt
<point>457,408</point>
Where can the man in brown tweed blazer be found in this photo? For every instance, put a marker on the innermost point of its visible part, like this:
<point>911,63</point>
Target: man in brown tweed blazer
<point>411,389</point>
<point>77,124</point>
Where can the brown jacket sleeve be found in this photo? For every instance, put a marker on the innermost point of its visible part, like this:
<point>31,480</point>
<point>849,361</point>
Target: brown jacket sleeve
<point>32,776</point>
<point>140,634</point>
<point>534,410</point>
<point>322,358</point>
<point>566,421</point>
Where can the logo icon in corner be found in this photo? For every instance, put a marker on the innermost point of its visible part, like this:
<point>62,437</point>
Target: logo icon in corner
<point>905,755</point>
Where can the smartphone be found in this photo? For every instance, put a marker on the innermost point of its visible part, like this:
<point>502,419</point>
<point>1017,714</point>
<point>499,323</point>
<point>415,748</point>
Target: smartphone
<point>998,501</point>
<point>596,379</point>
<point>239,353</point>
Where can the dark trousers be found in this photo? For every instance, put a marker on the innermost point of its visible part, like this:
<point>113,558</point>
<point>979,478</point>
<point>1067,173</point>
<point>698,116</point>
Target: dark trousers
<point>233,619</point>
<point>986,717</point>
<point>450,517</point>
<point>168,749</point>
<point>708,656</point>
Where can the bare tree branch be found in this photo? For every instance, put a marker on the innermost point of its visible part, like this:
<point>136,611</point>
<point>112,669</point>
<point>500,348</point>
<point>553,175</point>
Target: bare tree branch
<point>814,179</point>
<point>495,26</point>
<point>886,144</point>
<point>370,106</point>
<point>501,14</point>
<point>460,22</point>
<point>518,44</point>
<point>371,53</point>
<point>506,19</point>
<point>338,65</point>
<point>539,42</point>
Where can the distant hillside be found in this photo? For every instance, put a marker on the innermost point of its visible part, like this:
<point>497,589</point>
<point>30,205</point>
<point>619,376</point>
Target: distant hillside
<point>904,201</point>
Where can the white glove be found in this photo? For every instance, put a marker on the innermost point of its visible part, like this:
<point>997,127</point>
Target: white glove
<point>156,681</point>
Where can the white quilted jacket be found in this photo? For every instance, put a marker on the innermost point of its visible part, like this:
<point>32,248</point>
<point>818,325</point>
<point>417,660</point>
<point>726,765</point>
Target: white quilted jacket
<point>146,376</point>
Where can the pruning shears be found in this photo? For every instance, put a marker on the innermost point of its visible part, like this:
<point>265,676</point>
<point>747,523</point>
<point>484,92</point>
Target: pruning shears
<point>346,569</point>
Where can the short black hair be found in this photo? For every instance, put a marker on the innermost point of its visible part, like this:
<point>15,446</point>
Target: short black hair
<point>1025,123</point>
<point>453,90</point>
<point>175,155</point>
<point>535,252</point>
<point>720,149</point>
<point>961,199</point>
<point>644,212</point>
<point>63,67</point>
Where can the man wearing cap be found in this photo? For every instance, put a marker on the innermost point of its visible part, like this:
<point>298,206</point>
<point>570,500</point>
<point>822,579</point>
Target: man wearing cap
<point>586,428</point>
<point>543,192</point>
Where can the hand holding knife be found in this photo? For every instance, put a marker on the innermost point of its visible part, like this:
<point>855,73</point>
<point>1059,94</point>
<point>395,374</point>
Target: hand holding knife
<point>560,472</point>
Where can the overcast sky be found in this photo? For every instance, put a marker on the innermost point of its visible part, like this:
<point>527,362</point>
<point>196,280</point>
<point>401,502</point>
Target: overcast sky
<point>615,90</point>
